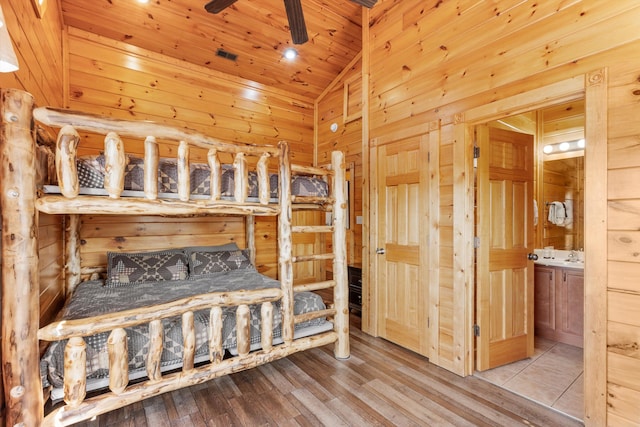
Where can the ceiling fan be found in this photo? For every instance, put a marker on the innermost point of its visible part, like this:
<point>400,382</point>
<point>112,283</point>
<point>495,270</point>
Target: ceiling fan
<point>295,16</point>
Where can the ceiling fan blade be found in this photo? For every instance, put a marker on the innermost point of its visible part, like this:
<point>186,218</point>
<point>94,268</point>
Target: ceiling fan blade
<point>296,21</point>
<point>366,3</point>
<point>217,6</point>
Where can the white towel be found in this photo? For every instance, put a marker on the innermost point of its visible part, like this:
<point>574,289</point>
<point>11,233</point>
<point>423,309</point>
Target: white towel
<point>557,213</point>
<point>535,212</point>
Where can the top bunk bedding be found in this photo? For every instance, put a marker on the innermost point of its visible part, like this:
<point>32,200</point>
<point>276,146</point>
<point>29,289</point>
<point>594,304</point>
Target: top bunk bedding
<point>91,178</point>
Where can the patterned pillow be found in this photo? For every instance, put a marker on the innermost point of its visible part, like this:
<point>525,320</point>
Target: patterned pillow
<point>131,268</point>
<point>204,264</point>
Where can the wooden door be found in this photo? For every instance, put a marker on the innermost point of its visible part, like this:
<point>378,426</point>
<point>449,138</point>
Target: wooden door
<point>504,281</point>
<point>401,277</point>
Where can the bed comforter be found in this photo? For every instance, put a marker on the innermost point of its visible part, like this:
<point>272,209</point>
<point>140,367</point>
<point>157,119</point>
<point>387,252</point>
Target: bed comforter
<point>91,171</point>
<point>91,298</point>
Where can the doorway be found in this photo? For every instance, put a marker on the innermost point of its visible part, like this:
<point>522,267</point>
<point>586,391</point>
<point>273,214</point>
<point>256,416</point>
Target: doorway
<point>528,162</point>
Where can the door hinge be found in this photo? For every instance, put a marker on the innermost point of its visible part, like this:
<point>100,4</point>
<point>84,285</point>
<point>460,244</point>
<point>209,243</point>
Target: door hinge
<point>428,322</point>
<point>476,152</point>
<point>476,330</point>
<point>476,242</point>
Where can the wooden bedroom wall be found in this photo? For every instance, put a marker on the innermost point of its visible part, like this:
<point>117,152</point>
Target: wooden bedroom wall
<point>113,78</point>
<point>433,60</point>
<point>41,73</point>
<point>347,138</point>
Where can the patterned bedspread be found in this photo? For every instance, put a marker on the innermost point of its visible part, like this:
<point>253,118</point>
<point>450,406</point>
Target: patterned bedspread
<point>92,298</point>
<point>91,175</point>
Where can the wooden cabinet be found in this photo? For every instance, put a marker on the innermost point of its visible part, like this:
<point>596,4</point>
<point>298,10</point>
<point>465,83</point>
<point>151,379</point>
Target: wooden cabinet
<point>559,304</point>
<point>545,299</point>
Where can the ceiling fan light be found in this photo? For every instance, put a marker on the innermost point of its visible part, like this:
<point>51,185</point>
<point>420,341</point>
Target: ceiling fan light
<point>290,53</point>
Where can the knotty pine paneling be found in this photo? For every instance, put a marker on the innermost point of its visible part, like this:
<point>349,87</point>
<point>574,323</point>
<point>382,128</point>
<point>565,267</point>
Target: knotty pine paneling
<point>102,233</point>
<point>623,358</point>
<point>116,79</point>
<point>433,60</point>
<point>348,139</point>
<point>257,32</point>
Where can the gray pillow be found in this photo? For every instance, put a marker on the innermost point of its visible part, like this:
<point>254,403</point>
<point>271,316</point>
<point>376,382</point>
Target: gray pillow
<point>158,266</point>
<point>206,264</point>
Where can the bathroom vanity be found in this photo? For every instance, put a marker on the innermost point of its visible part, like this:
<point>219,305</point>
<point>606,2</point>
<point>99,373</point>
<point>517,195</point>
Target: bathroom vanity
<point>559,299</point>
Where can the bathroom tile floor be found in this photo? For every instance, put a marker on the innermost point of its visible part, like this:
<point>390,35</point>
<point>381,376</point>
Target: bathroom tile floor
<point>552,377</point>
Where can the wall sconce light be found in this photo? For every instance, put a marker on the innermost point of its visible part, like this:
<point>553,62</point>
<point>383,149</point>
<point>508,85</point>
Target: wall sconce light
<point>8,58</point>
<point>564,147</point>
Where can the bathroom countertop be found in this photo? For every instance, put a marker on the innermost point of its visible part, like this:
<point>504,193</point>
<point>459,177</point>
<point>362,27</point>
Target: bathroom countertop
<point>560,259</point>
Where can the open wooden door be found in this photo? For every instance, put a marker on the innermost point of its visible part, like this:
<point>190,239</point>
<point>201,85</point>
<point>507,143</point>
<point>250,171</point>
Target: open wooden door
<point>402,279</point>
<point>504,279</point>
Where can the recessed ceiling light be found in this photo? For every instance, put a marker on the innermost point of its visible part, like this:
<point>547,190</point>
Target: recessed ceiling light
<point>290,53</point>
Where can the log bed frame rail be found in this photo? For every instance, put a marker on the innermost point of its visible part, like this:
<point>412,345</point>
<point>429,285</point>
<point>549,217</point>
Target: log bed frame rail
<point>21,201</point>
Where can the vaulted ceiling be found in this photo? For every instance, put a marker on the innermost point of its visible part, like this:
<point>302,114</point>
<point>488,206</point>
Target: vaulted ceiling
<point>256,31</point>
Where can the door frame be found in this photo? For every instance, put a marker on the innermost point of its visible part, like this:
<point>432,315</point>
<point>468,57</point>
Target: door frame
<point>593,88</point>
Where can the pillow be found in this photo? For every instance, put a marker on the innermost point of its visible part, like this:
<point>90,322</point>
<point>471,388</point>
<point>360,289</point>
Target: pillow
<point>231,246</point>
<point>130,268</point>
<point>205,264</point>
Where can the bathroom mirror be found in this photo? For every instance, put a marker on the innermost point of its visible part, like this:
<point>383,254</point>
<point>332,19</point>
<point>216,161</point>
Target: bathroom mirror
<point>563,182</point>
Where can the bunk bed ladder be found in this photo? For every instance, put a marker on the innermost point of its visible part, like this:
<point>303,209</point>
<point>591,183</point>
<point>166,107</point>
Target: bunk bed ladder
<point>336,203</point>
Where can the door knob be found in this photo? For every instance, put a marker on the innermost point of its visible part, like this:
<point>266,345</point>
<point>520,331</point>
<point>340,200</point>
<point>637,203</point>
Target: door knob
<point>380,251</point>
<point>532,257</point>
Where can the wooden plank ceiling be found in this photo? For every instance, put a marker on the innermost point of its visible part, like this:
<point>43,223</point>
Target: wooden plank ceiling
<point>256,31</point>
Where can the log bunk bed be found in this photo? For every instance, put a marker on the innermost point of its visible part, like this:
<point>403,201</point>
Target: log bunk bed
<point>22,197</point>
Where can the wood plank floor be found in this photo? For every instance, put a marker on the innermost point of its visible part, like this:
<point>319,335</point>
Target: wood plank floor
<point>381,384</point>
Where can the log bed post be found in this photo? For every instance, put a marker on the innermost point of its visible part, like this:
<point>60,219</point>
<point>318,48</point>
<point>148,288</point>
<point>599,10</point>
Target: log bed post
<point>150,167</point>
<point>20,281</point>
<point>340,294</point>
<point>184,173</point>
<point>65,161</point>
<point>73,253</point>
<point>250,232</point>
<point>115,162</point>
<point>285,244</point>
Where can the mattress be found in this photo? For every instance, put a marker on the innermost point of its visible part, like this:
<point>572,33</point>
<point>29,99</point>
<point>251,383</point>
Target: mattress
<point>92,298</point>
